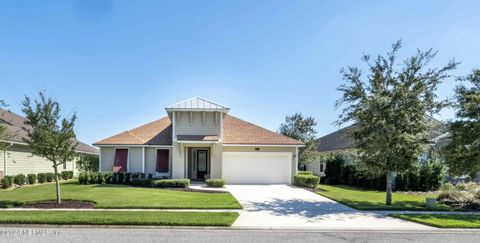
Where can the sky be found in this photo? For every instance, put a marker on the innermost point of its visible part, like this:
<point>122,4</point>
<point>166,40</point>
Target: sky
<point>118,64</point>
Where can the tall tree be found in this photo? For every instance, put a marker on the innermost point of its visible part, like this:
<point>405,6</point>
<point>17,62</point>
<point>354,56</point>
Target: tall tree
<point>51,137</point>
<point>462,154</point>
<point>390,105</point>
<point>301,128</point>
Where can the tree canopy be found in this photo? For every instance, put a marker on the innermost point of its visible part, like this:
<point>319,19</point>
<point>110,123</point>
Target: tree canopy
<point>390,105</point>
<point>462,154</point>
<point>302,128</point>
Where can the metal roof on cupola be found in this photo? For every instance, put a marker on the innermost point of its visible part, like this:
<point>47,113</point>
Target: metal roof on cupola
<point>197,104</point>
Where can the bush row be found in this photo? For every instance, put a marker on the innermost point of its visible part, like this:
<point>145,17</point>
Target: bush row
<point>109,177</point>
<point>21,179</point>
<point>135,179</point>
<point>425,176</point>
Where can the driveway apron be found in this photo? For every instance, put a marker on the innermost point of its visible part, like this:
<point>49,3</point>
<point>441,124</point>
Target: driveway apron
<point>283,206</point>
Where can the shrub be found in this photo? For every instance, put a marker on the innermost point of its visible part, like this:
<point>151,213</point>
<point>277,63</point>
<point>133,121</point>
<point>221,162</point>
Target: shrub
<point>41,177</point>
<point>6,182</point>
<point>120,178</point>
<point>64,175</point>
<point>128,178</point>
<point>70,174</point>
<point>175,183</point>
<point>306,180</point>
<point>215,182</point>
<point>107,177</point>
<point>20,179</point>
<point>82,178</point>
<point>141,182</point>
<point>305,172</point>
<point>50,177</point>
<point>93,177</point>
<point>335,169</point>
<point>31,179</point>
<point>100,178</point>
<point>462,196</point>
<point>150,175</point>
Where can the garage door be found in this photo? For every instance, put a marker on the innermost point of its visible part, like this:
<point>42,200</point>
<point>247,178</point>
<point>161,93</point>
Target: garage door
<point>257,167</point>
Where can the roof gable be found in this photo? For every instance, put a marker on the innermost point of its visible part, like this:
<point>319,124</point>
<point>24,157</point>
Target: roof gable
<point>197,104</point>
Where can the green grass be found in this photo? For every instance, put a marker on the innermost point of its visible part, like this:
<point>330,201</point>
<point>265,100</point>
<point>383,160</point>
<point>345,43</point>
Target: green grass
<point>375,200</point>
<point>119,218</point>
<point>443,220</point>
<point>120,196</point>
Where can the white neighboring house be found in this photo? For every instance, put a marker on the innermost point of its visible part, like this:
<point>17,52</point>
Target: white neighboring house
<point>17,157</point>
<point>198,140</point>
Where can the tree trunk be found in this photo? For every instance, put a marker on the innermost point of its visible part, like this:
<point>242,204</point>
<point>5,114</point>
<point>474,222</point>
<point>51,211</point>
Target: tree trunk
<point>388,200</point>
<point>57,184</point>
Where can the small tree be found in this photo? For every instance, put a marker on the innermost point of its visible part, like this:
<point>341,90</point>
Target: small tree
<point>390,108</point>
<point>87,163</point>
<point>303,129</point>
<point>50,136</point>
<point>462,154</point>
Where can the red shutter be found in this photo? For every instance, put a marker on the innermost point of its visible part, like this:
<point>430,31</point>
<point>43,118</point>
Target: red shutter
<point>162,160</point>
<point>120,162</point>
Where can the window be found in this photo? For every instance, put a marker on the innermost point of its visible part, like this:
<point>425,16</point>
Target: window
<point>322,167</point>
<point>121,160</point>
<point>163,160</point>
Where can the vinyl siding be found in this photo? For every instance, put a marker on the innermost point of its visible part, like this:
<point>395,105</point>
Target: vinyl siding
<point>107,155</point>
<point>151,161</point>
<point>135,160</point>
<point>21,161</point>
<point>183,125</point>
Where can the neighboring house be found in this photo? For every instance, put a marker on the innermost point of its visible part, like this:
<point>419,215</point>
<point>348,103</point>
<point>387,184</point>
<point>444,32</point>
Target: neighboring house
<point>199,140</point>
<point>17,157</point>
<point>343,142</point>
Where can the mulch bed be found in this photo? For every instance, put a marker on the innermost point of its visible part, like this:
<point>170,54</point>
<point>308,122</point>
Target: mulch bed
<point>64,204</point>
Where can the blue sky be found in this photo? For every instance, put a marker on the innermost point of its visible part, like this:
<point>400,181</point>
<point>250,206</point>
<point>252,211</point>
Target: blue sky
<point>119,63</point>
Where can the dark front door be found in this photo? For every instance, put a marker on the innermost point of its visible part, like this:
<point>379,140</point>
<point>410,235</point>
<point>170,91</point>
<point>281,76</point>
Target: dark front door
<point>202,163</point>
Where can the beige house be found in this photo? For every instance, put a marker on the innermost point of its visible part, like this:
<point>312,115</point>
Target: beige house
<point>17,157</point>
<point>200,140</point>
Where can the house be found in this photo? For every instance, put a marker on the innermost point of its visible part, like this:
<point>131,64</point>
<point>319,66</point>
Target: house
<point>198,140</point>
<point>343,142</point>
<point>17,157</point>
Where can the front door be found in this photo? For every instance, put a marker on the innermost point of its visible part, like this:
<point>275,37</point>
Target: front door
<point>202,163</point>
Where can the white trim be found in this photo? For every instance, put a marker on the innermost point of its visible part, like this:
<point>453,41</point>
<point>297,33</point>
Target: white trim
<point>262,145</point>
<point>296,162</point>
<point>134,146</point>
<point>143,160</point>
<point>174,135</point>
<point>207,142</point>
<point>12,142</point>
<point>221,126</point>
<point>100,159</point>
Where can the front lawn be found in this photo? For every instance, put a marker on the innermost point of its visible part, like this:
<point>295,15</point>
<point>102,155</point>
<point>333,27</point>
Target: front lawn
<point>374,200</point>
<point>120,196</point>
<point>443,220</point>
<point>119,218</point>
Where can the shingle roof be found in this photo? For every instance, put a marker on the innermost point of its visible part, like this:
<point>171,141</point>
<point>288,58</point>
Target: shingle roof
<point>196,103</point>
<point>197,138</point>
<point>15,125</point>
<point>236,131</point>
<point>343,139</point>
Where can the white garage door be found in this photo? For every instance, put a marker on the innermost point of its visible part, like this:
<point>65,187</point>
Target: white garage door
<point>257,167</point>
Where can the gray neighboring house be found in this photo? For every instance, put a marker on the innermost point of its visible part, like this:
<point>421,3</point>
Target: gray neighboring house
<point>343,142</point>
<point>17,157</point>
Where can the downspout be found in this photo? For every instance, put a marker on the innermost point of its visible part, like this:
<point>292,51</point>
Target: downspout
<point>5,158</point>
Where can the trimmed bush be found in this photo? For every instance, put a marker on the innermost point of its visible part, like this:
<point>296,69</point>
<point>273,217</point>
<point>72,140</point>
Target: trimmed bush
<point>92,177</point>
<point>31,179</point>
<point>305,172</point>
<point>175,183</point>
<point>150,175</point>
<point>64,175</point>
<point>50,177</point>
<point>144,182</point>
<point>306,180</point>
<point>41,177</point>
<point>70,174</point>
<point>215,182</point>
<point>120,178</point>
<point>107,177</point>
<point>100,178</point>
<point>20,179</point>
<point>128,178</point>
<point>6,182</point>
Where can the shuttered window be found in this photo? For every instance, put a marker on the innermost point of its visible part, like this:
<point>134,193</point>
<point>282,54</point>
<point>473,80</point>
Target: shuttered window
<point>121,160</point>
<point>162,160</point>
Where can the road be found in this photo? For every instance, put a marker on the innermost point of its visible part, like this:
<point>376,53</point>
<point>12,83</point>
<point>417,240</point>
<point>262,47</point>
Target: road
<point>90,235</point>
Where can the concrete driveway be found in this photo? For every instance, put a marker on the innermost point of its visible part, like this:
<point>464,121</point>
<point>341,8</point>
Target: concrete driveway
<point>282,206</point>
